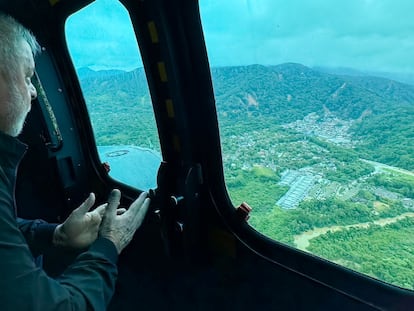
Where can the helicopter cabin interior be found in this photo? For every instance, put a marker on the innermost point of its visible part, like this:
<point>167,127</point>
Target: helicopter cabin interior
<point>195,250</point>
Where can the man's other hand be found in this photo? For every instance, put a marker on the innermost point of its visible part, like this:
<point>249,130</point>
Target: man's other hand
<point>81,228</point>
<point>120,227</point>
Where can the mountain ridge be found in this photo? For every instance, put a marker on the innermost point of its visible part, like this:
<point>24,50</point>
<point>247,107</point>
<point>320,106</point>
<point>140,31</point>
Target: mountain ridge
<point>381,110</point>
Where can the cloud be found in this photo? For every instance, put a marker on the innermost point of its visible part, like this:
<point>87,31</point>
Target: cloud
<point>101,35</point>
<point>363,34</point>
<point>367,34</point>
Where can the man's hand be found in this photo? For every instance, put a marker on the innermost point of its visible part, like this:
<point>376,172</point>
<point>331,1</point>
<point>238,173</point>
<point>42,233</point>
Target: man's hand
<point>81,228</point>
<point>120,229</point>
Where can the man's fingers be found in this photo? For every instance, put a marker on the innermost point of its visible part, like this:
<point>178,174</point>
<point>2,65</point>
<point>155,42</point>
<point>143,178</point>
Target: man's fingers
<point>136,205</point>
<point>113,202</point>
<point>86,205</point>
<point>120,211</point>
<point>141,212</point>
<point>101,209</point>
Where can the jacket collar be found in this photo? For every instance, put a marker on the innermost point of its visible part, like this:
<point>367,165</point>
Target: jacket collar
<point>11,151</point>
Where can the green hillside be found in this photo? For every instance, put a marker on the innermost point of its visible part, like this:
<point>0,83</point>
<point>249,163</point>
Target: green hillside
<point>382,110</point>
<point>120,107</point>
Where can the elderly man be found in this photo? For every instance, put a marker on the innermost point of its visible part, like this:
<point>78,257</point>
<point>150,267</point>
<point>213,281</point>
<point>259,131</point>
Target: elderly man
<point>88,283</point>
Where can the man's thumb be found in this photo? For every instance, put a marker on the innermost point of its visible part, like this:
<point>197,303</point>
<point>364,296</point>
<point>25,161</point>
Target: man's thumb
<point>113,202</point>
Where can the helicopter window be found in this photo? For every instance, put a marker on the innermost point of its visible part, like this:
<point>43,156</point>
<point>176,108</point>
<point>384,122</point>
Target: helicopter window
<point>104,50</point>
<point>315,102</point>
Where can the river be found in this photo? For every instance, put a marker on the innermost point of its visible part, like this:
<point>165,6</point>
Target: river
<point>302,241</point>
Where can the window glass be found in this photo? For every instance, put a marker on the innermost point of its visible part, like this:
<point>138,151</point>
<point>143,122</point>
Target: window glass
<point>315,101</point>
<point>104,50</point>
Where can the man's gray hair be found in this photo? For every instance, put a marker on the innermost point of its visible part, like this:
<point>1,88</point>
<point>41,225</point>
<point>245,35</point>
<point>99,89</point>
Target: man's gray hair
<point>11,35</point>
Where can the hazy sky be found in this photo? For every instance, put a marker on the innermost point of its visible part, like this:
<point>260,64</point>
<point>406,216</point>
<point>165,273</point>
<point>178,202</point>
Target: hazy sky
<point>376,35</point>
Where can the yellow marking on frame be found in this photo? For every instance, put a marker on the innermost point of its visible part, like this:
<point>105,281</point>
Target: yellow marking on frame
<point>162,71</point>
<point>53,2</point>
<point>176,143</point>
<point>153,32</point>
<point>170,108</point>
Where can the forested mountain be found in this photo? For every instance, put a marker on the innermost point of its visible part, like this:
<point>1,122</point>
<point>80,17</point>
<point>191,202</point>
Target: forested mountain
<point>289,92</point>
<point>120,108</point>
<point>286,92</point>
<point>381,111</point>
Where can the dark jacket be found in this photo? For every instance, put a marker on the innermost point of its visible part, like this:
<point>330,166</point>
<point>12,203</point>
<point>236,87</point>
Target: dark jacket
<point>87,284</point>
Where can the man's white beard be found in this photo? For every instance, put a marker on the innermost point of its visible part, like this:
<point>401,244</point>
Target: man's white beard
<point>16,114</point>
